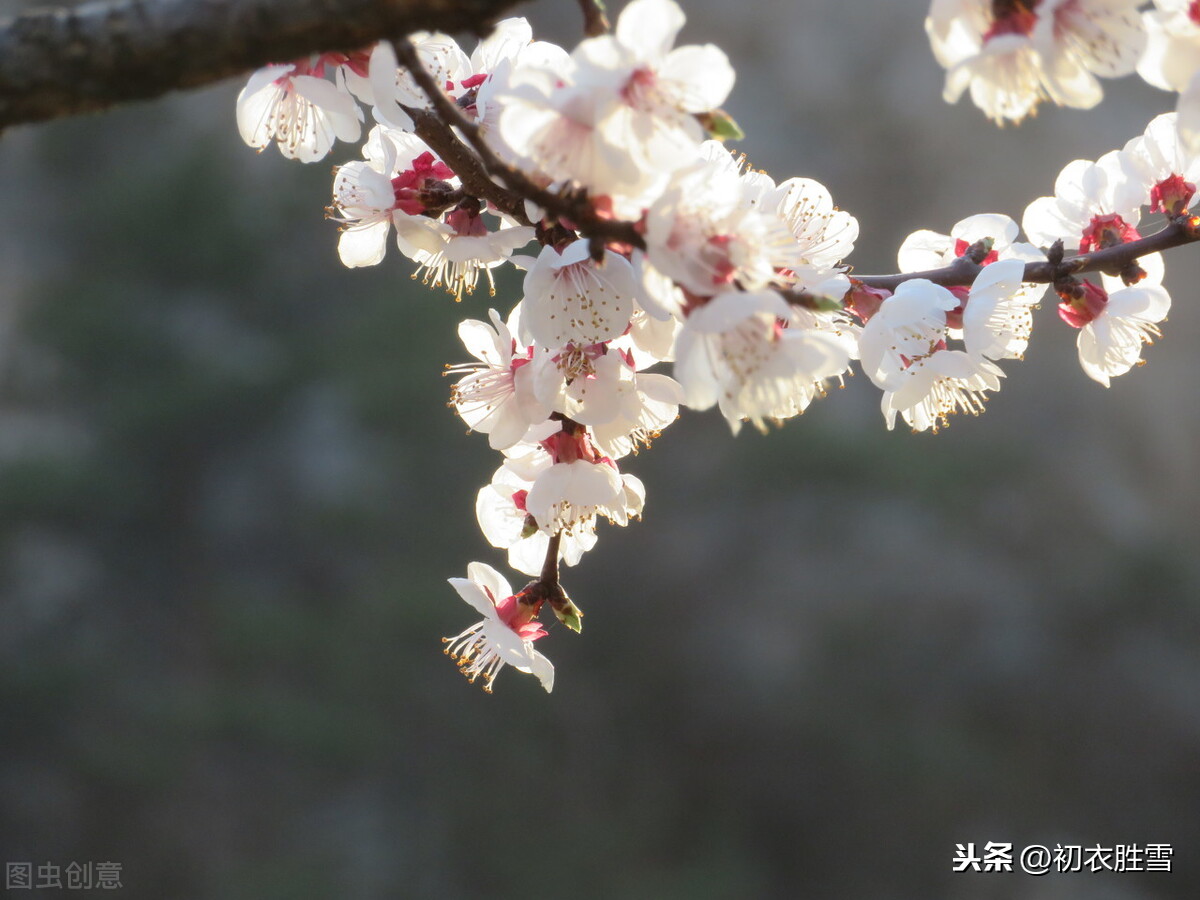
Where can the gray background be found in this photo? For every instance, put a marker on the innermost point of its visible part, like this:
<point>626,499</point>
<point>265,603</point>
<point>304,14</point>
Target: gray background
<point>231,493</point>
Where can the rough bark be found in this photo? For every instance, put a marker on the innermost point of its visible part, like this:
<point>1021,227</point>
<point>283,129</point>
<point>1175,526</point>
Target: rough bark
<point>59,62</point>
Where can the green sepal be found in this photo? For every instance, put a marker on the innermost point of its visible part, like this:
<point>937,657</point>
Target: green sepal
<point>569,614</point>
<point>721,126</point>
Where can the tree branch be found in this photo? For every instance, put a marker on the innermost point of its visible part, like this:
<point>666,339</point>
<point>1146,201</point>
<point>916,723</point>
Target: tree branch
<point>60,62</point>
<point>1111,260</point>
<point>574,208</point>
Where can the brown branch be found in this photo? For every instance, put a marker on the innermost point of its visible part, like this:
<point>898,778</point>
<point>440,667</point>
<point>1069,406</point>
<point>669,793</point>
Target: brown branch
<point>595,22</point>
<point>573,208</point>
<point>58,62</point>
<point>1110,260</point>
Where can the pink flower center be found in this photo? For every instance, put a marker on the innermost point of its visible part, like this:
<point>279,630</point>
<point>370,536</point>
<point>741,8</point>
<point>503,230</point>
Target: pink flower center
<point>467,223</point>
<point>715,255</point>
<point>1194,11</point>
<point>1106,231</point>
<point>639,89</point>
<point>1011,17</point>
<point>954,317</point>
<point>1172,195</point>
<point>1079,311</point>
<point>427,172</point>
<point>864,301</point>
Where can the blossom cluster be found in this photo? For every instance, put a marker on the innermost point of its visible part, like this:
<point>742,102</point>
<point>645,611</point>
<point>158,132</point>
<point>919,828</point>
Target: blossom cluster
<point>1011,55</point>
<point>603,175</point>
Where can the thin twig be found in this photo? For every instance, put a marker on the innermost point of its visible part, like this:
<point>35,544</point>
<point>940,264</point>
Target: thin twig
<point>595,22</point>
<point>575,208</point>
<point>1110,260</point>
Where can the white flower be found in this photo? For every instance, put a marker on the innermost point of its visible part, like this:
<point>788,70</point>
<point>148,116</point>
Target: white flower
<point>748,353</point>
<point>1168,169</point>
<point>393,87</point>
<point>703,234</point>
<point>506,523</point>
<point>1013,55</point>
<point>506,634</point>
<point>998,317</point>
<point>621,114</point>
<point>926,249</point>
<point>579,486</point>
<point>1095,205</point>
<point>453,250</point>
<point>938,385</point>
<point>302,113</point>
<point>908,325</point>
<point>1114,326</point>
<point>496,395</point>
<point>1172,46</point>
<point>398,172</point>
<point>570,299</point>
<point>904,351</point>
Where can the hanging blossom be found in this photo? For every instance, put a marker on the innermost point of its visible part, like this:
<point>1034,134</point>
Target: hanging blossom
<point>1012,54</point>
<point>1116,320</point>
<point>505,635</point>
<point>505,521</point>
<point>747,353</point>
<point>298,109</point>
<point>451,251</point>
<point>496,394</point>
<point>905,350</point>
<point>1011,313</point>
<point>579,485</point>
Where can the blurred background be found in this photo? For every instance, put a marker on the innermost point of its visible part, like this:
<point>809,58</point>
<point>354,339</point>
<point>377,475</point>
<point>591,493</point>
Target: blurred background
<point>231,494</point>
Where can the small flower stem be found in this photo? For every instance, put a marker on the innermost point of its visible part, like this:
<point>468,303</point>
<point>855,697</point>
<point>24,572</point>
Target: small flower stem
<point>595,22</point>
<point>549,576</point>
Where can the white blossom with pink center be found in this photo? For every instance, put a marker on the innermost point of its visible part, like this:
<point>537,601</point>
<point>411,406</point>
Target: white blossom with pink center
<point>297,109</point>
<point>1095,205</point>
<point>904,351</point>
<point>1011,55</point>
<point>506,523</point>
<point>600,386</point>
<point>1113,327</point>
<point>704,236</point>
<point>1167,168</point>
<point>749,354</point>
<point>1172,44</point>
<point>580,485</point>
<point>400,173</point>
<point>495,395</point>
<point>572,299</point>
<point>505,636</point>
<point>453,250</point>
<point>622,115</point>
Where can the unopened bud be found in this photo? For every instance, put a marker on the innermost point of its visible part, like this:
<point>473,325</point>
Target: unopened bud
<point>864,301</point>
<point>720,126</point>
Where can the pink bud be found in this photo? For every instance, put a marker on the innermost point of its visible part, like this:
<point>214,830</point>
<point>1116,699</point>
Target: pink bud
<point>1079,311</point>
